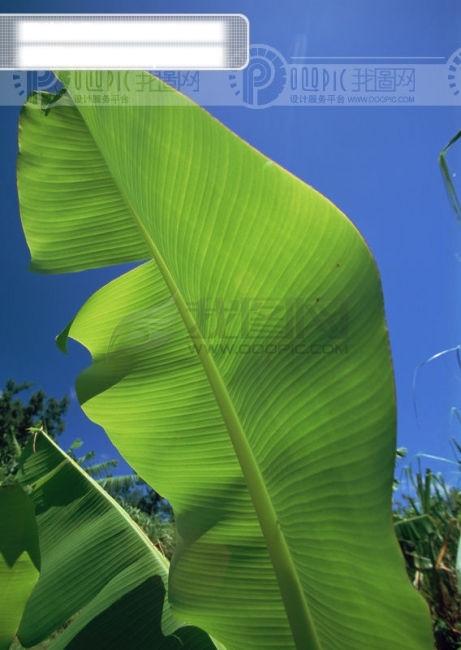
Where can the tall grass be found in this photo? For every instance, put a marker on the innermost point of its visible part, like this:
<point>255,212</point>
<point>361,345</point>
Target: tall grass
<point>427,524</point>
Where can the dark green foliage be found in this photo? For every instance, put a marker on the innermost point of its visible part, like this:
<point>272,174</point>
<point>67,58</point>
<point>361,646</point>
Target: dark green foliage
<point>143,497</point>
<point>18,415</point>
<point>129,490</point>
<point>428,529</point>
<point>148,509</point>
<point>22,410</point>
<point>158,528</point>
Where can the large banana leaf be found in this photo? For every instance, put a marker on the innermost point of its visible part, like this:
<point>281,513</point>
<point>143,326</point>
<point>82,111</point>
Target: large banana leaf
<point>19,558</point>
<point>97,565</point>
<point>243,370</point>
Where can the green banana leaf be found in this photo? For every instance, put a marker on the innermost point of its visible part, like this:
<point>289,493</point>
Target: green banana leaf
<point>19,558</point>
<point>97,566</point>
<point>243,369</point>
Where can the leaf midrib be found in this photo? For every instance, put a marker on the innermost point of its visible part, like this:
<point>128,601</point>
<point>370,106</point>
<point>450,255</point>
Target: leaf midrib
<point>297,609</point>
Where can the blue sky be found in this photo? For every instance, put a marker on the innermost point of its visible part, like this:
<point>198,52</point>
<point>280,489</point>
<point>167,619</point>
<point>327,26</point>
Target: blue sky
<point>377,163</point>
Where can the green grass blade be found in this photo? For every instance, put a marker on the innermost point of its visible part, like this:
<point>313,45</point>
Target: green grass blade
<point>451,191</point>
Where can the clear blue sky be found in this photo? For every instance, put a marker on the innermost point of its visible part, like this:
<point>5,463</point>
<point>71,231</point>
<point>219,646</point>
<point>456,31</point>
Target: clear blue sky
<point>378,164</point>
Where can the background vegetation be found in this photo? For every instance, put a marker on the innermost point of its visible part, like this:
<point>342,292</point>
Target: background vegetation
<point>427,523</point>
<point>427,514</point>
